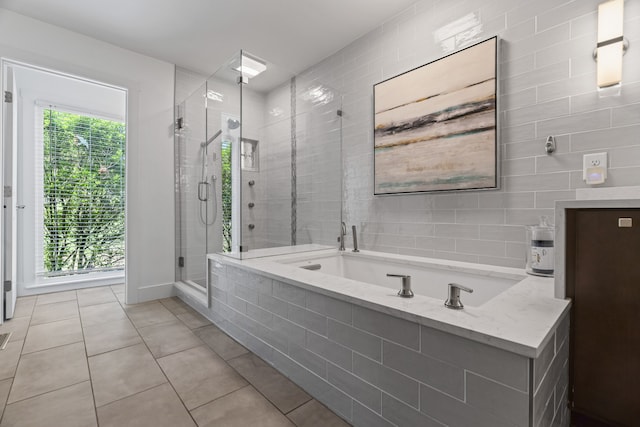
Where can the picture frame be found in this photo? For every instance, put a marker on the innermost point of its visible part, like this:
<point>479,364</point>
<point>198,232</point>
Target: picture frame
<point>436,126</point>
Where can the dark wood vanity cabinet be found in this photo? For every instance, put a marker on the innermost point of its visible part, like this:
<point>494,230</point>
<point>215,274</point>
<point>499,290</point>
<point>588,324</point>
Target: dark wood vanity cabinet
<point>603,280</point>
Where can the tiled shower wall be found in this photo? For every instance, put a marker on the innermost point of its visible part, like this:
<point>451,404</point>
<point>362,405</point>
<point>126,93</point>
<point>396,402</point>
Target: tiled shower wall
<point>547,87</point>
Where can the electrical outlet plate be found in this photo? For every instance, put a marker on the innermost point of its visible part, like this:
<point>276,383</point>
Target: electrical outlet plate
<point>594,168</point>
<point>595,160</point>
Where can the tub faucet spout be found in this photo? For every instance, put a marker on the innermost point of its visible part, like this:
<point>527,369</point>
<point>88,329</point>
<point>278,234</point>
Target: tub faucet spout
<point>343,233</point>
<point>355,239</point>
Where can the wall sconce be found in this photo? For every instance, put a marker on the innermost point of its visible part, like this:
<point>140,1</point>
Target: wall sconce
<point>611,43</point>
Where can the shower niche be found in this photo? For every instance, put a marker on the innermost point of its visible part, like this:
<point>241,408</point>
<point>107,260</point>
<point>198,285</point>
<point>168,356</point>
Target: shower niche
<point>250,158</point>
<point>257,163</point>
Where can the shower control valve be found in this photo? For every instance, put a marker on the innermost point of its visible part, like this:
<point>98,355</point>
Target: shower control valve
<point>251,204</point>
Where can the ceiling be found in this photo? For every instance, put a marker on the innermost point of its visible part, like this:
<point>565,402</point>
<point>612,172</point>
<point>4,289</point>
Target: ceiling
<point>201,35</point>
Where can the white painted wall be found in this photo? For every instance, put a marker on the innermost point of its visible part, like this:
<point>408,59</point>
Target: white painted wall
<point>150,208</point>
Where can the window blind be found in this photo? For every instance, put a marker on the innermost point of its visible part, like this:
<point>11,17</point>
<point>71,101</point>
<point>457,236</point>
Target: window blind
<point>80,198</point>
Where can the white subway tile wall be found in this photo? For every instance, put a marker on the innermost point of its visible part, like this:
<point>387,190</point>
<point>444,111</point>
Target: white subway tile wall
<point>547,86</point>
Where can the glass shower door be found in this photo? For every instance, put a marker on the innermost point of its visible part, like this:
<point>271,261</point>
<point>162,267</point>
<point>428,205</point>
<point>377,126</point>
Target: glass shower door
<point>194,215</point>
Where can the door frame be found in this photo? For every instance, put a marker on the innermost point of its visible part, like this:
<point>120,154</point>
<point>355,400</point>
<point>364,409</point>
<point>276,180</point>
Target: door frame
<point>4,64</point>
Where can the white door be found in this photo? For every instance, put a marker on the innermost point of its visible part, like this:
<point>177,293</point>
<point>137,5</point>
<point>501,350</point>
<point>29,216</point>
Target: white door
<point>9,225</point>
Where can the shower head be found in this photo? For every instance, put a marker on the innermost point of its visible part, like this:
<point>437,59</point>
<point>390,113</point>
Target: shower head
<point>210,140</point>
<point>233,123</point>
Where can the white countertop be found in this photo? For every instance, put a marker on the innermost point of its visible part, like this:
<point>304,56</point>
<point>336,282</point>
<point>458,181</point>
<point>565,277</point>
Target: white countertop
<point>520,320</point>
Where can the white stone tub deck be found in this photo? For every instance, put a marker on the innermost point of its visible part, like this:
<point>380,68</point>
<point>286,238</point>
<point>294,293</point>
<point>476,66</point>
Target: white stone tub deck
<point>378,359</point>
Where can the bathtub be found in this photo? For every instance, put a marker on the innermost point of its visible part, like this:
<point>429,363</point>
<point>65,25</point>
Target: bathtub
<point>428,279</point>
<point>343,334</point>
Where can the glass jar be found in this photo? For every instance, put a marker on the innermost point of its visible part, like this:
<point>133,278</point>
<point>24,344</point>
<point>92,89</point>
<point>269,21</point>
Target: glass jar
<point>540,250</point>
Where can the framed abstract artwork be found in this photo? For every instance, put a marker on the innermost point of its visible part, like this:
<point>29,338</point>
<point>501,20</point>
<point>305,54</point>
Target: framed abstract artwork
<point>436,127</point>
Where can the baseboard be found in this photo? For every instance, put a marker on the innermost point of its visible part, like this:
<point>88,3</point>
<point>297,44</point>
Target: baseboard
<point>153,292</point>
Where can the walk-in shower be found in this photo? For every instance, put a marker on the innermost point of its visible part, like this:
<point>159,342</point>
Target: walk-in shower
<point>257,163</point>
<point>207,189</point>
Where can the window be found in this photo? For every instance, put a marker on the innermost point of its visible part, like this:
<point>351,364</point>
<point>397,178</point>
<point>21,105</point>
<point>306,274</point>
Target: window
<point>81,194</point>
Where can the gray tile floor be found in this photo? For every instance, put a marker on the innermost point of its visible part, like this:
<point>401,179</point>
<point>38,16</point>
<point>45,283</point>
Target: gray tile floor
<point>84,358</point>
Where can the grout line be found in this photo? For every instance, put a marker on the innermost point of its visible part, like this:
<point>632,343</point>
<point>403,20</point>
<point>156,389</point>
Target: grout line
<point>46,392</point>
<point>158,365</point>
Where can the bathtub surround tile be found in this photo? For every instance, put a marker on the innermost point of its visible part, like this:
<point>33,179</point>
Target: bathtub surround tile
<point>404,415</point>
<point>436,373</point>
<point>308,319</point>
<point>54,334</point>
<point>93,296</point>
<point>102,313</point>
<point>329,350</point>
<point>196,387</point>
<point>52,312</point>
<point>359,341</point>
<point>313,414</point>
<point>245,293</point>
<point>289,331</point>
<point>455,412</point>
<point>504,367</point>
<point>542,362</point>
<point>70,407</point>
<point>354,386</point>
<point>552,383</point>
<point>330,307</point>
<point>167,338</point>
<point>393,382</point>
<point>49,370</point>
<point>289,293</point>
<point>279,390</point>
<point>365,417</point>
<point>241,408</point>
<point>125,372</point>
<point>273,305</point>
<point>309,360</point>
<point>439,368</point>
<point>261,316</point>
<point>497,399</point>
<point>389,327</point>
<point>104,337</point>
<point>158,407</point>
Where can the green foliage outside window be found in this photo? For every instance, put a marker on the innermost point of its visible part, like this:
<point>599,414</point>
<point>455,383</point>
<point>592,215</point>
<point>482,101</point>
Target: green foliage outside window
<point>84,193</point>
<point>226,196</point>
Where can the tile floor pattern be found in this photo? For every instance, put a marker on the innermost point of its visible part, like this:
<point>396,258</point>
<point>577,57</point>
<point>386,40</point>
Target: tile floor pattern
<point>84,358</point>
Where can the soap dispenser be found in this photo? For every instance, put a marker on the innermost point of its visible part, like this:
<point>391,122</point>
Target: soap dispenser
<point>540,254</point>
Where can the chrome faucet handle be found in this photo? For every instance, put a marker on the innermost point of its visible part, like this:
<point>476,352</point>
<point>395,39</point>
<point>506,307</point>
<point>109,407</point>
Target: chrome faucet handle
<point>343,233</point>
<point>453,301</point>
<point>406,291</point>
